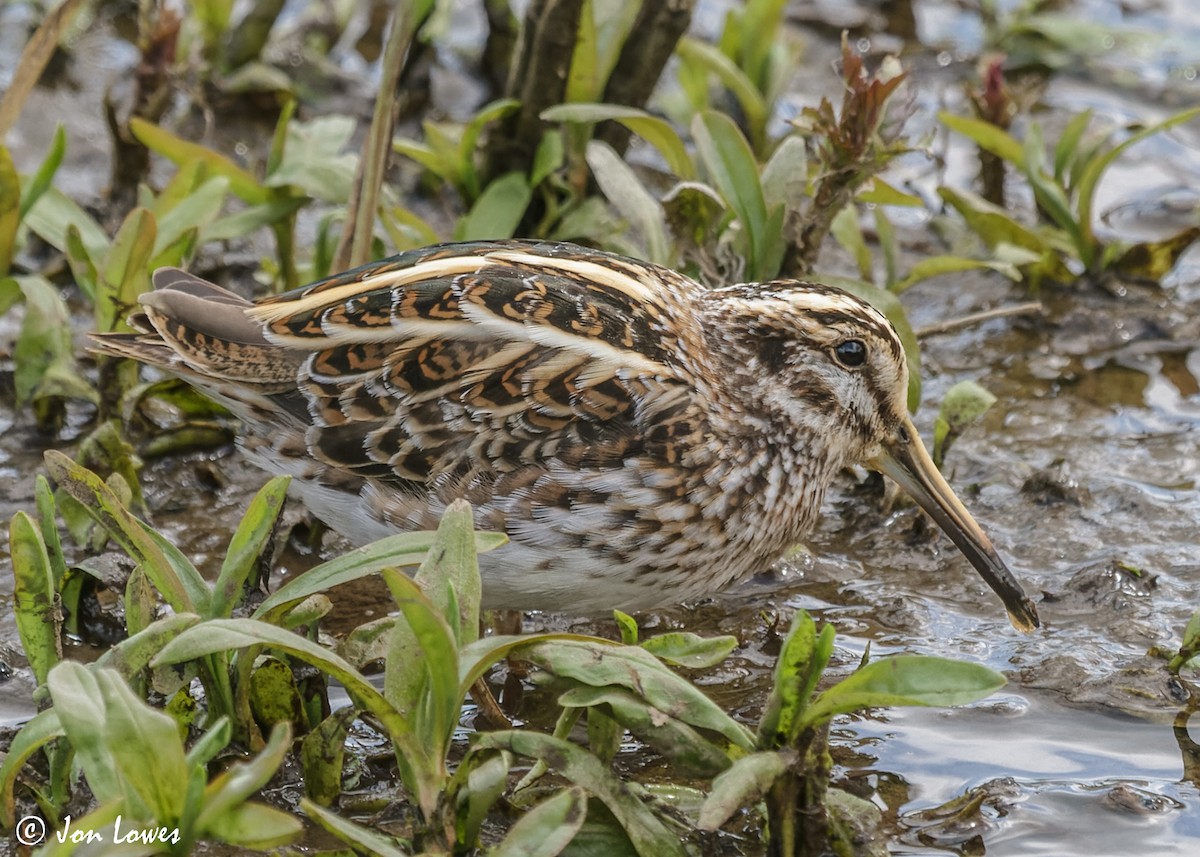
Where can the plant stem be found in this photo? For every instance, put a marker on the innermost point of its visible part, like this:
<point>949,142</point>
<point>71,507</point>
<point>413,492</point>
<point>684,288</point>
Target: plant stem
<point>652,40</point>
<point>538,79</point>
<point>354,247</point>
<point>797,811</point>
<point>952,324</point>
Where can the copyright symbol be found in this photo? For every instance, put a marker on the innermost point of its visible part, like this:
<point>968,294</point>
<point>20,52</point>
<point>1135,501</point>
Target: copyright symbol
<point>31,830</point>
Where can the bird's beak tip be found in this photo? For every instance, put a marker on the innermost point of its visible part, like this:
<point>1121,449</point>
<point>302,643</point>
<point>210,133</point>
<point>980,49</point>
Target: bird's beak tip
<point>906,461</point>
<point>1025,617</point>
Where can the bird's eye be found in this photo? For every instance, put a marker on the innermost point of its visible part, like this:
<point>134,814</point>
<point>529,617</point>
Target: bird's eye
<point>851,353</point>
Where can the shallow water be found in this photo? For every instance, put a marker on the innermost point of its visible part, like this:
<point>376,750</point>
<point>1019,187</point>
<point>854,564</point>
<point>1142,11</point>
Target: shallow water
<point>1086,474</point>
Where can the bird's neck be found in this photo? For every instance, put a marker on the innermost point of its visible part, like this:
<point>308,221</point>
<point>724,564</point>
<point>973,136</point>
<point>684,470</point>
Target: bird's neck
<point>767,487</point>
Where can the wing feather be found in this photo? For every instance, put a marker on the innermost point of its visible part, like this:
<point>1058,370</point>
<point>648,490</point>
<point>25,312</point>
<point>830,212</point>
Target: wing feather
<point>450,361</point>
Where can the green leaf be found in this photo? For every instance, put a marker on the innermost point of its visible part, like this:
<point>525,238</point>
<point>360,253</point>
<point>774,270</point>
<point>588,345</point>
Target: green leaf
<point>648,835</point>
<point>219,635</point>
<point>322,754</point>
<point>35,734</point>
<point>54,213</point>
<point>245,186</point>
<point>186,180</point>
<point>690,753</point>
<point>127,750</point>
<point>402,549</point>
<point>629,196</point>
<point>35,601</point>
<point>141,602</point>
<point>10,209</point>
<point>273,695</point>
<point>44,340</point>
<point>759,37</point>
<point>194,212</point>
<point>429,691</point>
<point>597,664</point>
<point>255,826</point>
<point>963,404</point>
<point>801,661</point>
<point>906,680</point>
<point>685,649</point>
<point>546,829</point>
<point>847,232</point>
<point>604,732</point>
<point>548,158</point>
<point>83,269</point>
<point>1051,197</point>
<point>498,211</point>
<point>449,575</point>
<point>1066,151</point>
<point>695,213</point>
<point>1191,634</point>
<point>214,739</point>
<point>785,176</point>
<point>363,839</point>
<point>584,82</point>
<point>730,162</point>
<point>314,159</point>
<point>44,177</point>
<point>711,59</point>
<point>311,609</point>
<point>628,627</point>
<point>10,293</point>
<point>434,160</point>
<point>48,524</point>
<point>125,273</point>
<point>247,544</point>
<point>228,792</point>
<point>486,776</point>
<point>182,586</point>
<point>743,785</point>
<point>133,654</point>
<point>1153,260</point>
<point>989,137</point>
<point>879,192</point>
<point>1096,167</point>
<point>249,219</point>
<point>657,132</point>
<point>991,223</point>
<point>937,266</point>
<point>470,139</point>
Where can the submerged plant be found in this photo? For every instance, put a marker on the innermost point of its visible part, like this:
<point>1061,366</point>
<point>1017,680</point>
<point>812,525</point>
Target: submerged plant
<point>1064,189</point>
<point>434,657</point>
<point>149,789</point>
<point>789,768</point>
<point>1189,648</point>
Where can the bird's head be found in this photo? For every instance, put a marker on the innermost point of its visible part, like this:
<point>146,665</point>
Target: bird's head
<point>825,370</point>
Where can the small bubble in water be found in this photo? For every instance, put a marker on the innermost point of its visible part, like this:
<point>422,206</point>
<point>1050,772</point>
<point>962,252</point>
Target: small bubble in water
<point>863,45</point>
<point>1108,42</point>
<point>1189,72</point>
<point>944,58</point>
<point>241,149</point>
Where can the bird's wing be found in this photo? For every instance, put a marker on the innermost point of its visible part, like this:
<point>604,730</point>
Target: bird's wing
<point>488,356</point>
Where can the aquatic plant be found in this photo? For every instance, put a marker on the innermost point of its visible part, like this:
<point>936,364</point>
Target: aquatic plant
<point>1064,244</point>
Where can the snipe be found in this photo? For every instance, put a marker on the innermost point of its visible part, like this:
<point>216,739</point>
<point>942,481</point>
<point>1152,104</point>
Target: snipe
<point>641,440</point>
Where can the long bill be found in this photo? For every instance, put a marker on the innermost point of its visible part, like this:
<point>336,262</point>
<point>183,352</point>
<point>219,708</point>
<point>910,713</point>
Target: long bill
<point>905,460</point>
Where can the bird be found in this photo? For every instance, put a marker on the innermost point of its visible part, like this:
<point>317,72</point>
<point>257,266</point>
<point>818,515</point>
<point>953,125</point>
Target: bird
<point>641,439</point>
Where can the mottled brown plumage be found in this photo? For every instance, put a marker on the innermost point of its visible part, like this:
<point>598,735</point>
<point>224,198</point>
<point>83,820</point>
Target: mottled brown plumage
<point>640,439</point>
